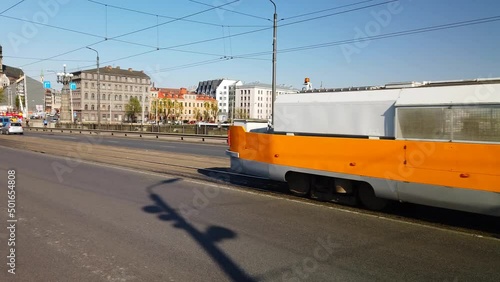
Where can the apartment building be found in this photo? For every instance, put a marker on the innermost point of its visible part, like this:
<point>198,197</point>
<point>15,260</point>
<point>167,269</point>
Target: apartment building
<point>253,101</point>
<point>185,105</point>
<point>117,86</point>
<point>221,90</point>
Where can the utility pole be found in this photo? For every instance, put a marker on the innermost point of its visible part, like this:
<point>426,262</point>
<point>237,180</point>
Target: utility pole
<point>26,112</point>
<point>275,27</point>
<point>98,91</point>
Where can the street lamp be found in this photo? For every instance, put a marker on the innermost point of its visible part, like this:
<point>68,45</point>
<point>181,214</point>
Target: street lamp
<point>66,78</point>
<point>234,102</point>
<point>275,27</point>
<point>25,90</point>
<point>98,91</point>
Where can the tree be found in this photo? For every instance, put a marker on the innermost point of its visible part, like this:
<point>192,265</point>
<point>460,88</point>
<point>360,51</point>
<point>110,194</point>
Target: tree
<point>132,108</point>
<point>197,114</point>
<point>169,109</point>
<point>206,112</point>
<point>157,108</point>
<point>241,113</point>
<point>2,96</point>
<point>214,110</point>
<point>178,109</point>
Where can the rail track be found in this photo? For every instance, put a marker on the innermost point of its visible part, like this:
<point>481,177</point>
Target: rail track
<point>216,170</point>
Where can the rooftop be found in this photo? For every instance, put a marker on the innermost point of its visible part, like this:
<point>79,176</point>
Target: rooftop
<point>115,71</point>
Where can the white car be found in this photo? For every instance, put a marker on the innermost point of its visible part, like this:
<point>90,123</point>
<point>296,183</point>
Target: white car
<point>13,128</point>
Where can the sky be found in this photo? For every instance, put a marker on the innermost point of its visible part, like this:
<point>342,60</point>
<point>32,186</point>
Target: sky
<point>336,43</point>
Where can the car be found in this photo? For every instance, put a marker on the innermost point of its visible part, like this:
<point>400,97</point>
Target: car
<point>13,128</point>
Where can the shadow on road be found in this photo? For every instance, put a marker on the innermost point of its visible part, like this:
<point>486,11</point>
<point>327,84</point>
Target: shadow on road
<point>223,175</point>
<point>207,240</point>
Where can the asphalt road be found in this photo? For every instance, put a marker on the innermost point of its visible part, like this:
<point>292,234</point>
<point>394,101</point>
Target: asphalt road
<point>200,149</point>
<point>112,224</point>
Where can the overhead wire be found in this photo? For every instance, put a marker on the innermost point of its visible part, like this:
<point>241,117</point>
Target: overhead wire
<point>174,20</point>
<point>21,1</point>
<point>150,14</point>
<point>328,9</point>
<point>114,38</point>
<point>186,44</point>
<point>232,11</point>
<point>351,41</point>
<point>248,56</point>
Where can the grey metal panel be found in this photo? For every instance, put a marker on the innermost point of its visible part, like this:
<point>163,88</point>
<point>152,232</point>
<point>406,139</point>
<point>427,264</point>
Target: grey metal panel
<point>468,200</point>
<point>452,198</point>
<point>383,188</point>
<point>250,167</point>
<point>365,113</point>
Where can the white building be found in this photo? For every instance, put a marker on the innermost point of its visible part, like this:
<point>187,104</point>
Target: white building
<point>221,90</point>
<point>253,101</point>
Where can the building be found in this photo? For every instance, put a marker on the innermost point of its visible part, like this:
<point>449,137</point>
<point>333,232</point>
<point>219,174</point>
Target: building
<point>117,86</point>
<point>52,101</point>
<point>12,81</point>
<point>221,90</point>
<point>182,105</point>
<point>254,101</point>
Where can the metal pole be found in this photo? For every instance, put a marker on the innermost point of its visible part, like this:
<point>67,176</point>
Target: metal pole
<point>98,95</point>
<point>25,96</point>
<point>142,120</point>
<point>109,98</point>
<point>70,76</point>
<point>275,27</point>
<point>234,102</point>
<point>98,90</point>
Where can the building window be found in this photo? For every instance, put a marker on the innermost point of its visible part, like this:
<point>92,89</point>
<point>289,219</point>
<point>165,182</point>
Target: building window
<point>86,107</point>
<point>86,95</point>
<point>92,107</point>
<point>104,96</point>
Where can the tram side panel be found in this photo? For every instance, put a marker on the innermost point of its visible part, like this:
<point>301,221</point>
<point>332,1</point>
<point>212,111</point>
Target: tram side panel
<point>450,175</point>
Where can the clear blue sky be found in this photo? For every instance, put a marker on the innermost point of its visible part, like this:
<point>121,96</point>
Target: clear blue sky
<point>459,53</point>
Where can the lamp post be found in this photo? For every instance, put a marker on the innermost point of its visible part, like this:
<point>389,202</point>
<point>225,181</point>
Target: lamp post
<point>110,118</point>
<point>275,27</point>
<point>142,119</point>
<point>98,91</point>
<point>25,93</point>
<point>234,102</point>
<point>66,78</point>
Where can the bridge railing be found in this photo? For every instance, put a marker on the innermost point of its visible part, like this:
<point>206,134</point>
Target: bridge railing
<point>138,131</point>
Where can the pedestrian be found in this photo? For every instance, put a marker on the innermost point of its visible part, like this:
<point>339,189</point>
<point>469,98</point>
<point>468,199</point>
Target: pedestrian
<point>44,123</point>
<point>27,122</point>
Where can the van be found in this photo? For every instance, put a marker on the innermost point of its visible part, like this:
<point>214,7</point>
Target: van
<point>4,121</point>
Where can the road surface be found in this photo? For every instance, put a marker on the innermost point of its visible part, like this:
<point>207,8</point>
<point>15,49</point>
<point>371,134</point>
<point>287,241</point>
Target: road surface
<point>195,148</point>
<point>117,224</point>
